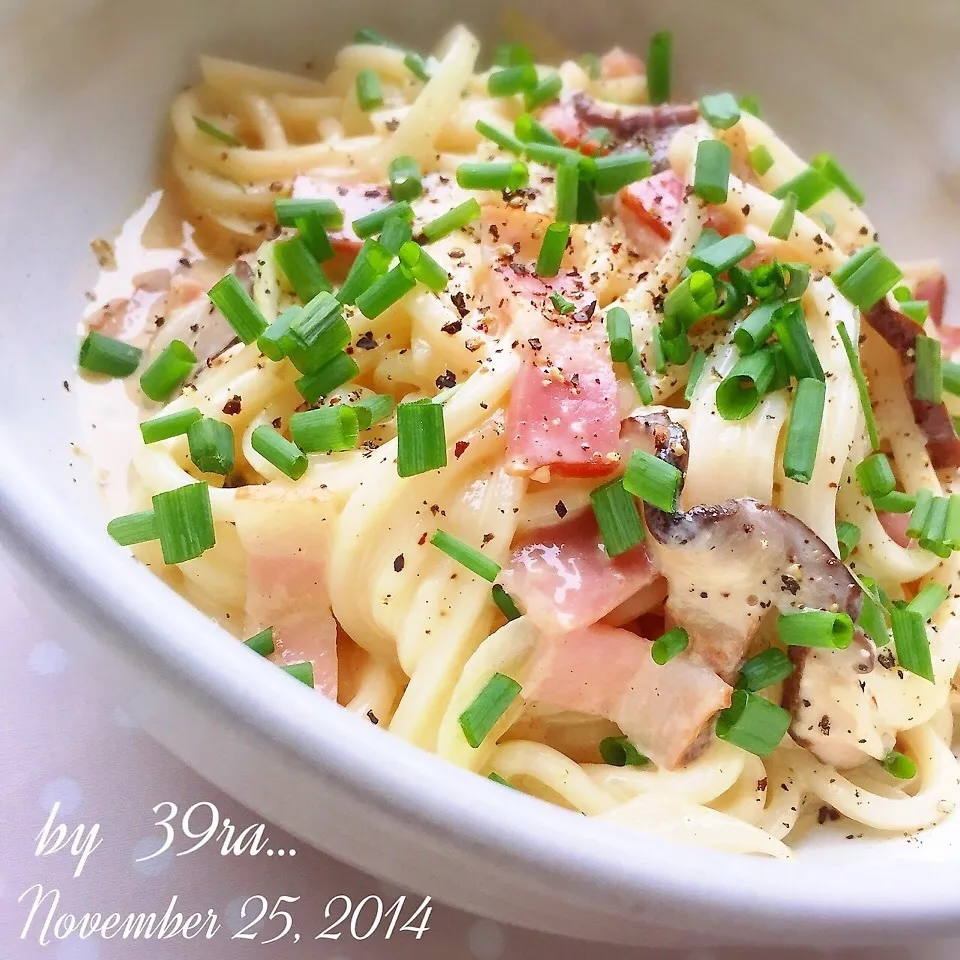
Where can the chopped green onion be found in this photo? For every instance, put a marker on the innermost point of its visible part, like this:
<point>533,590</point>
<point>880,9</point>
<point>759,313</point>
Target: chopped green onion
<point>669,645</point>
<point>853,358</point>
<point>712,171</point>
<point>168,371</point>
<point>875,476</point>
<point>529,130</point>
<point>512,54</point>
<point>761,159</point>
<point>454,219</point>
<point>169,425</point>
<point>326,429</point>
<point>262,642</point>
<point>314,235</point>
<point>815,628</point>
<point>318,383</point>
<point>619,333</point>
<point>552,248</point>
<point>423,267</point>
<point>561,304</point>
<point>366,35</point>
<point>184,519</point>
<point>103,354</point>
<point>718,257</point>
<point>791,330</point>
<point>369,91</point>
<point>656,348</point>
<point>764,670</point>
<point>496,778</point>
<point>546,90</point>
<point>803,433</point>
<point>935,528</point>
<point>588,207</point>
<point>653,480</point>
<point>783,221</point>
<point>756,328</point>
<point>828,166</point>
<point>503,139</point>
<point>300,268</point>
<point>799,279</point>
<point>287,457</point>
<point>552,154</point>
<point>767,280</point>
<point>302,671</point>
<point>511,80</point>
<point>928,376</point>
<point>895,502</point>
<point>916,310</point>
<point>316,334</point>
<point>689,301</point>
<point>371,223</point>
<point>617,517</point>
<point>749,103</point>
<point>677,350</point>
<point>619,170</point>
<point>867,276</point>
<point>238,308</point>
<point>289,210</point>
<point>390,288</point>
<point>911,642</point>
<point>753,723</point>
<point>567,183</point>
<point>465,555</point>
<point>417,65</point>
<point>872,619</point>
<point>739,393</point>
<point>505,602</point>
<point>810,187</point>
<point>421,439</point>
<point>658,67</point>
<point>696,371</point>
<point>374,410</point>
<point>921,510</point>
<point>720,110</point>
<point>371,263</point>
<point>211,446</point>
<point>134,528</point>
<point>396,232</point>
<point>212,130</point>
<point>495,175</point>
<point>620,752</point>
<point>928,599</point>
<point>781,372</point>
<point>899,765</point>
<point>639,377</point>
<point>491,703</point>
<point>951,532</point>
<point>848,536</point>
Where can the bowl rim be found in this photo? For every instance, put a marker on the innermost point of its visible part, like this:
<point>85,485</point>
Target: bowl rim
<point>583,858</point>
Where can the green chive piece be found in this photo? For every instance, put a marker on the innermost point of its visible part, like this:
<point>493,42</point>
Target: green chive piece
<point>620,752</point>
<point>783,221</point>
<point>749,104</point>
<point>369,90</point>
<point>300,268</point>
<point>454,219</point>
<point>103,354</point>
<point>619,333</point>
<point>653,480</point>
<point>211,446</point>
<point>371,223</point>
<point>875,476</point>
<point>617,517</point>
<point>895,502</point>
<point>928,375</point>
<point>385,292</point>
<point>810,187</point>
<point>530,130</point>
<point>935,528</point>
<point>828,166</point>
<point>677,350</point>
<point>799,279</point>
<point>803,434</point>
<point>899,765</point>
<point>289,210</point>
<point>764,670</point>
<point>512,54</point>
<point>761,159</point>
<point>561,304</point>
<point>872,619</point>
<point>423,267</point>
<point>466,555</point>
<point>656,344</point>
<point>868,276</point>
<point>276,449</point>
<point>503,139</point>
<point>238,308</point>
<point>366,35</point>
<point>721,256</point>
<point>688,302</point>
<point>495,175</point>
<point>490,705</point>
<point>421,438</point>
<point>910,640</point>
<point>169,425</point>
<point>326,429</point>
<point>790,326</point>
<point>314,235</point>
<point>696,372</point>
<point>405,181</point>
<point>669,645</point>
<point>374,410</point>
<point>396,232</point>
<point>552,154</point>
<point>302,671</point>
<point>951,533</point>
<point>552,248</point>
<point>921,510</point>
<point>168,371</point>
<point>753,723</point>
<point>619,170</point>
<point>315,334</point>
<point>496,778</point>
<point>505,603</point>
<point>739,393</point>
<point>318,383</point>
<point>853,358</point>
<point>417,65</point>
<point>756,328</point>
<point>511,80</point>
<point>567,184</point>
<point>815,628</point>
<point>134,528</point>
<point>639,377</point>
<point>712,171</point>
<point>720,110</point>
<point>212,130</point>
<point>262,642</point>
<point>848,536</point>
<point>928,600</point>
<point>546,90</point>
<point>659,56</point>
<point>184,518</point>
<point>588,207</point>
<point>371,263</point>
<point>916,310</point>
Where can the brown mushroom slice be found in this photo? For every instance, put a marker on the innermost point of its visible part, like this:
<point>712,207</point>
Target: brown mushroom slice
<point>835,716</point>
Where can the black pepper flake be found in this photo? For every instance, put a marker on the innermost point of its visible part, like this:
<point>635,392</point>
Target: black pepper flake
<point>66,386</point>
<point>487,537</point>
<point>372,717</point>
<point>535,343</point>
<point>398,563</point>
<point>446,380</point>
<point>366,342</point>
<point>824,725</point>
<point>460,448</point>
<point>460,302</point>
<point>790,584</point>
<point>455,326</point>
<point>232,407</point>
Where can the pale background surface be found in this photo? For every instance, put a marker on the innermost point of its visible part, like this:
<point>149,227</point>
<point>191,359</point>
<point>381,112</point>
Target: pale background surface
<point>63,739</point>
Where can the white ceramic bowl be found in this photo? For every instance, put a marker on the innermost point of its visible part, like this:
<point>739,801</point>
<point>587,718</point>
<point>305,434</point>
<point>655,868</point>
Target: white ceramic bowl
<point>82,106</point>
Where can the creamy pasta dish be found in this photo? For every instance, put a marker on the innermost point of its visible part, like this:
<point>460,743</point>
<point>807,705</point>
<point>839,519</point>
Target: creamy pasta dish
<point>574,431</point>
